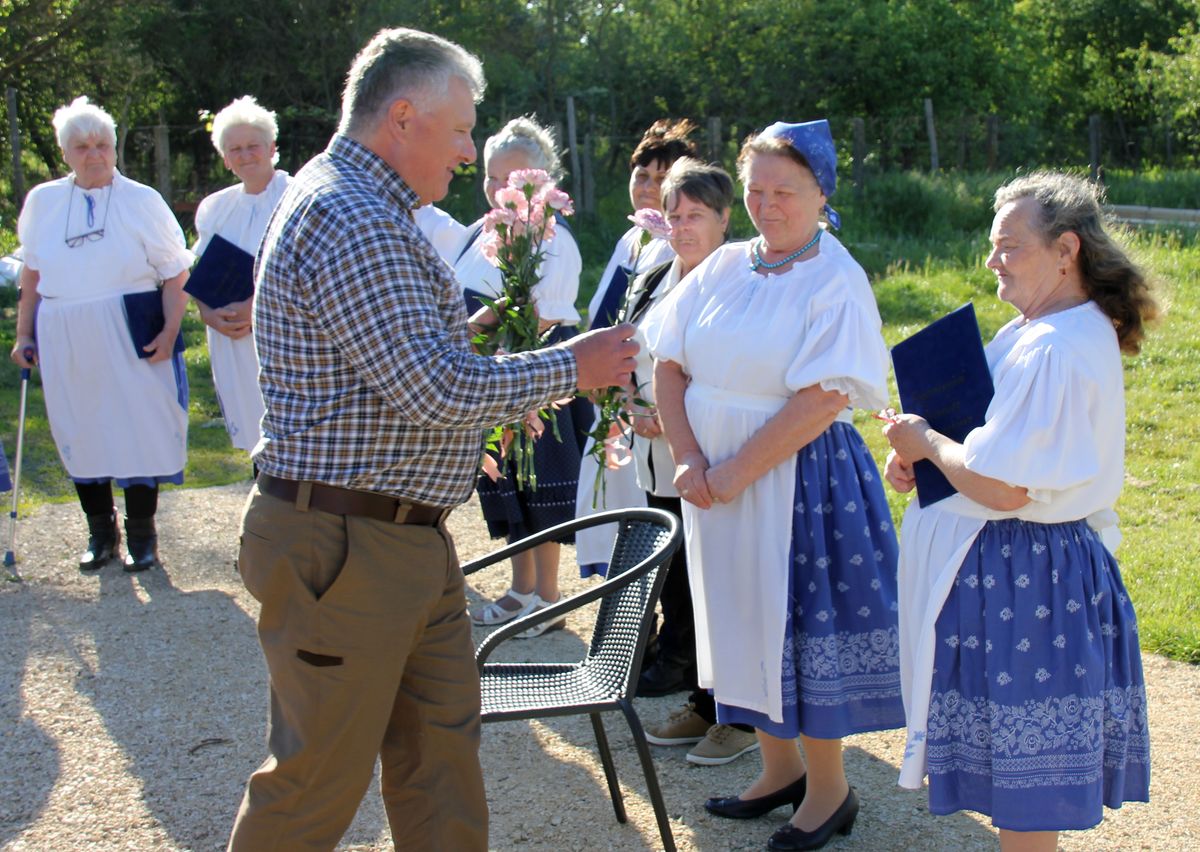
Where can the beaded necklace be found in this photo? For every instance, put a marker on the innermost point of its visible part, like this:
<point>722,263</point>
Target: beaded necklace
<point>758,261</point>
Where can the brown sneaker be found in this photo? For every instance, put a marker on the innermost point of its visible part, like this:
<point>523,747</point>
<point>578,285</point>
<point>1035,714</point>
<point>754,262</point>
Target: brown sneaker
<point>683,727</point>
<point>722,744</point>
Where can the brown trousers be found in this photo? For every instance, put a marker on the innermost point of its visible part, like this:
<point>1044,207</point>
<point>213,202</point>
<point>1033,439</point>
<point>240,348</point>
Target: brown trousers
<point>368,645</point>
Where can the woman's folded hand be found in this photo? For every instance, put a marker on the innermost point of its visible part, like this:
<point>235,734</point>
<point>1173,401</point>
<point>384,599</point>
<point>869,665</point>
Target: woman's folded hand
<point>690,480</point>
<point>899,473</point>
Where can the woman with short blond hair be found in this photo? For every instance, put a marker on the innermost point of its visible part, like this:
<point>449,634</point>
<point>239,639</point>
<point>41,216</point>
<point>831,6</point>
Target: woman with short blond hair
<point>244,133</point>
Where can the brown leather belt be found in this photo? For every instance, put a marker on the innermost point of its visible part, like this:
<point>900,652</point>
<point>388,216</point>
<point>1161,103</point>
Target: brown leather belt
<point>346,501</point>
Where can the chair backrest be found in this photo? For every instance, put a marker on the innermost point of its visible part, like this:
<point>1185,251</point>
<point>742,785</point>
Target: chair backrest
<point>623,620</point>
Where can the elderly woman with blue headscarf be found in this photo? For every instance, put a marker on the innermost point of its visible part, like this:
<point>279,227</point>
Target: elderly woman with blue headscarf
<point>761,352</point>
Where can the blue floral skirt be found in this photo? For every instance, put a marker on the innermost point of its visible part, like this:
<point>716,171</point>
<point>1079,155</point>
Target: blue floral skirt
<point>1037,716</point>
<point>841,654</point>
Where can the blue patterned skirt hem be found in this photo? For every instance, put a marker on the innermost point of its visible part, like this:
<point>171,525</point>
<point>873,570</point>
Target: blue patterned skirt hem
<point>841,654</point>
<point>1037,716</point>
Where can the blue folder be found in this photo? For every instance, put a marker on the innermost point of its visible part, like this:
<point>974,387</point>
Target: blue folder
<point>145,318</point>
<point>942,375</point>
<point>224,274</point>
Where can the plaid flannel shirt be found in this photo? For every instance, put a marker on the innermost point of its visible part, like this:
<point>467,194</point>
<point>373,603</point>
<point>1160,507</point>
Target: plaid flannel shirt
<point>365,359</point>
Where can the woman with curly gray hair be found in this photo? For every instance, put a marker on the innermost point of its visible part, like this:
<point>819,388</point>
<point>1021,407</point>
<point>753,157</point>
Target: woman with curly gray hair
<point>1022,671</point>
<point>511,512</point>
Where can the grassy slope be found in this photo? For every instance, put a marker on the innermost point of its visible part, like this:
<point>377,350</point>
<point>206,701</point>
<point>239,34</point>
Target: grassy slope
<point>1160,505</point>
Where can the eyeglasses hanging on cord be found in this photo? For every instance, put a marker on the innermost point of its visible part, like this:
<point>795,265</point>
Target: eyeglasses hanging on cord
<point>92,235</point>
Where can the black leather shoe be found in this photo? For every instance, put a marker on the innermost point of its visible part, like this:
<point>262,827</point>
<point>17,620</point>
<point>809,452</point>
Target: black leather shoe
<point>666,676</point>
<point>141,544</point>
<point>104,541</point>
<point>790,838</point>
<point>731,807</point>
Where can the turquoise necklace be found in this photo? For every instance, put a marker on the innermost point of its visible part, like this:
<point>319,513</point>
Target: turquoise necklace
<point>758,261</point>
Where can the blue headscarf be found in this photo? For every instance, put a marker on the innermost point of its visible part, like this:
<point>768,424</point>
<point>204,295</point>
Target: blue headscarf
<point>815,143</point>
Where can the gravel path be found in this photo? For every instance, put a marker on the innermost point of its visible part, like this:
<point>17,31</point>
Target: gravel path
<point>132,709</point>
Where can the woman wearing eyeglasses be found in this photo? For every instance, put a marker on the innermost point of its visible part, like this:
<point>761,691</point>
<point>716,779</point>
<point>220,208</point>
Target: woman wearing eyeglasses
<point>103,254</point>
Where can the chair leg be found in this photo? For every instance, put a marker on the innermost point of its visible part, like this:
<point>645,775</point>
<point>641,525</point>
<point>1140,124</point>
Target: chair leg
<point>643,750</point>
<point>610,769</point>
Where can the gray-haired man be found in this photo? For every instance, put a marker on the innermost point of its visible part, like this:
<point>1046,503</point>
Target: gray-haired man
<point>375,411</point>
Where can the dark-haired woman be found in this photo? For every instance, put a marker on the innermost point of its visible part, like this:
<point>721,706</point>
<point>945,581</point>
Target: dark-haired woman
<point>1022,671</point>
<point>636,251</point>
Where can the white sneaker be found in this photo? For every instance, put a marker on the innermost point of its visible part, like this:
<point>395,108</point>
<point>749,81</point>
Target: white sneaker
<point>546,626</point>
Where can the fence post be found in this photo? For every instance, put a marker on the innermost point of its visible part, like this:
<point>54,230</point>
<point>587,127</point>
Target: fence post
<point>14,145</point>
<point>993,141</point>
<point>576,177</point>
<point>1094,146</point>
<point>162,160</point>
<point>714,139</point>
<point>123,134</point>
<point>588,202</point>
<point>929,128</point>
<point>860,155</point>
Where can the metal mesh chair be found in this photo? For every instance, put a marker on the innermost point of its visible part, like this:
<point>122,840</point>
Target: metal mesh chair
<point>606,676</point>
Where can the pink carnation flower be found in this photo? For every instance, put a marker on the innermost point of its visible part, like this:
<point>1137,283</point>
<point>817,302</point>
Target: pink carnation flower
<point>489,246</point>
<point>652,222</point>
<point>535,178</point>
<point>513,199</point>
<point>557,199</point>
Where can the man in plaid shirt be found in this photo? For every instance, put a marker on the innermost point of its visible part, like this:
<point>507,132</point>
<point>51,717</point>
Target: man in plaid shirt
<point>376,408</point>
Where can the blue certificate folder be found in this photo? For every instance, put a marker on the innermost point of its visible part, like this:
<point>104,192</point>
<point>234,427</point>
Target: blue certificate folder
<point>942,375</point>
<point>224,274</point>
<point>145,318</point>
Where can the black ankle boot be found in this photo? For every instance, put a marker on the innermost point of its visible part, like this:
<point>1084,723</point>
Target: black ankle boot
<point>141,542</point>
<point>104,541</point>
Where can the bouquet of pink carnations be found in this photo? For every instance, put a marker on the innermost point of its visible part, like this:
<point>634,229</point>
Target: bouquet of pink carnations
<point>618,405</point>
<point>515,234</point>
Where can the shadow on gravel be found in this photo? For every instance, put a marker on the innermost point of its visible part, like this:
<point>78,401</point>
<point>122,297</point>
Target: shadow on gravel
<point>167,661</point>
<point>23,743</point>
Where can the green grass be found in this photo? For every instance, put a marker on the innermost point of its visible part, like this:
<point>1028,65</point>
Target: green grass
<point>1160,504</point>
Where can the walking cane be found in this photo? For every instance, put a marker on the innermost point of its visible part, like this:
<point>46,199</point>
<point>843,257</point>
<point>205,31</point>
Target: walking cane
<point>10,559</point>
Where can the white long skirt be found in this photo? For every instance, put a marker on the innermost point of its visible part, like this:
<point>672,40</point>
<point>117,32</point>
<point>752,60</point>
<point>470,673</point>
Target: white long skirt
<point>235,375</point>
<point>112,414</point>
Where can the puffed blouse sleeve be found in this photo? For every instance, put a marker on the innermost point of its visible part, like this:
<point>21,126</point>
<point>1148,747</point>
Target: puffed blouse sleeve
<point>1038,433</point>
<point>160,235</point>
<point>555,294</point>
<point>26,232</point>
<point>665,325</point>
<point>842,347</point>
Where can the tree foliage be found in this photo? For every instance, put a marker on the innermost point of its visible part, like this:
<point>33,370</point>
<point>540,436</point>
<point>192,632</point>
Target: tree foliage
<point>1042,66</point>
